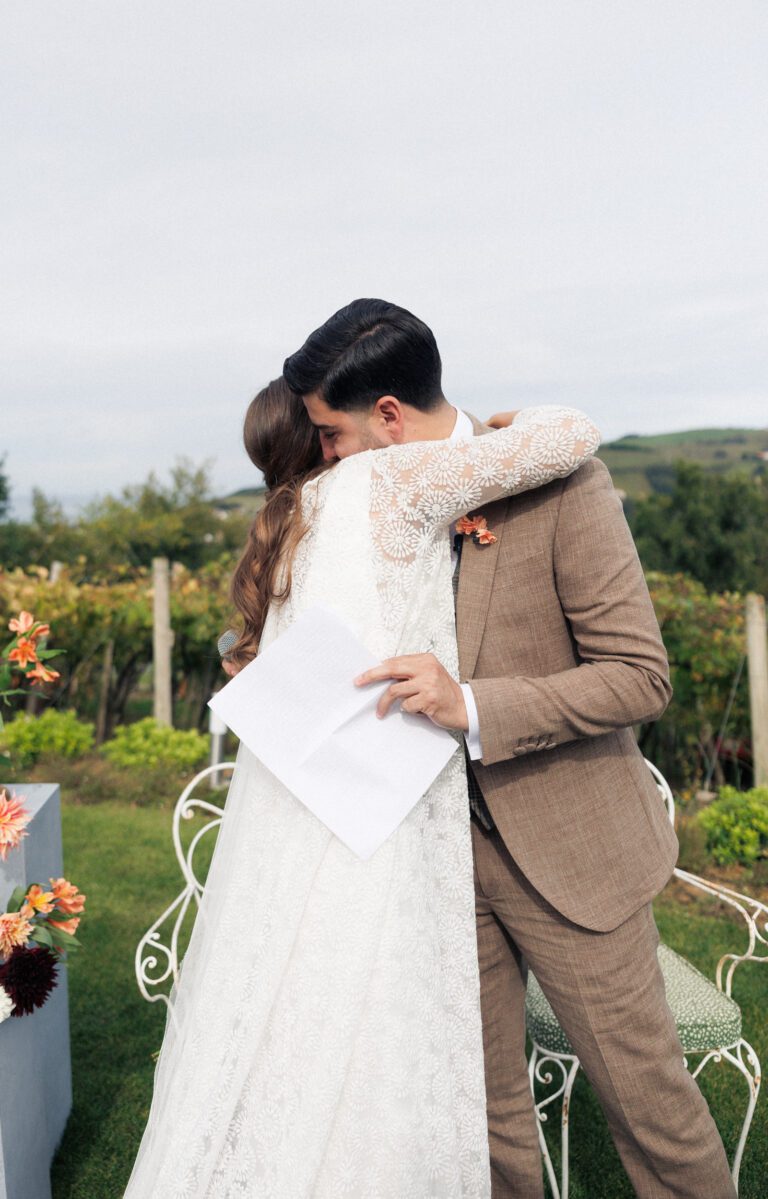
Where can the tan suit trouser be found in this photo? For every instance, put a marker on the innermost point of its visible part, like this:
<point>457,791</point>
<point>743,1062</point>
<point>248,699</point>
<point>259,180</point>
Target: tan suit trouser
<point>608,994</point>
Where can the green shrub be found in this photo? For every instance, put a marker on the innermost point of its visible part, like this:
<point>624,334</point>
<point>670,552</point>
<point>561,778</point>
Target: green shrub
<point>147,743</point>
<point>736,825</point>
<point>53,732</point>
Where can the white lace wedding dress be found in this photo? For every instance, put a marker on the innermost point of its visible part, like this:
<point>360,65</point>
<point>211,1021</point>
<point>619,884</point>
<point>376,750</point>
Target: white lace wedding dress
<point>325,1034</point>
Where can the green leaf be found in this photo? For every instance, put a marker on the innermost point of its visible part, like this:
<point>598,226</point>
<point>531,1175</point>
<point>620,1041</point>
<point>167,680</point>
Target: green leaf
<point>64,938</point>
<point>41,934</point>
<point>16,900</point>
<point>70,944</point>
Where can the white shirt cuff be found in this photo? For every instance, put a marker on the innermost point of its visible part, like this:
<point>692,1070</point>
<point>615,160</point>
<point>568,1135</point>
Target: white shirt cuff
<point>472,735</point>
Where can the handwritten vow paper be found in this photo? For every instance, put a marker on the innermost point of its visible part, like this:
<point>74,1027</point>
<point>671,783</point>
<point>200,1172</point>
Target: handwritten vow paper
<point>296,708</point>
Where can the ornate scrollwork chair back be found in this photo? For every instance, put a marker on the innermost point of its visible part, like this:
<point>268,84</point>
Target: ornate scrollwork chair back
<point>160,950</point>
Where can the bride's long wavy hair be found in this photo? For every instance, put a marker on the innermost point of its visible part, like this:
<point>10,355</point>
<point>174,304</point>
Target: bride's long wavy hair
<point>282,442</point>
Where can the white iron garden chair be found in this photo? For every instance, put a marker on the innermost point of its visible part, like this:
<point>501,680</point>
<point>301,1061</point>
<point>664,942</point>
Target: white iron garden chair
<point>157,954</point>
<point>707,1017</point>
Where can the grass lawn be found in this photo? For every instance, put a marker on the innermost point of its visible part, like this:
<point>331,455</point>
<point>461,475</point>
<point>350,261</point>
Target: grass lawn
<point>122,859</point>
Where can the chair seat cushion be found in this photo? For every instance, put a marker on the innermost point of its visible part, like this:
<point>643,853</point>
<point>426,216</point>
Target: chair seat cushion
<point>705,1018</point>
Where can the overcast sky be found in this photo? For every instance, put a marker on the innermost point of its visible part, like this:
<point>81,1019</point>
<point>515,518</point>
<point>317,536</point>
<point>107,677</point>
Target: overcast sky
<point>572,193</point>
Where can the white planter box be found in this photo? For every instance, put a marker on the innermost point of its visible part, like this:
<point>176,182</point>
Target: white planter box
<point>35,1067</point>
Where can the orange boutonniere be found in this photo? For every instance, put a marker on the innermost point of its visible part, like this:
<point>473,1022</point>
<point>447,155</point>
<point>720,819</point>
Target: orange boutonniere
<point>476,527</point>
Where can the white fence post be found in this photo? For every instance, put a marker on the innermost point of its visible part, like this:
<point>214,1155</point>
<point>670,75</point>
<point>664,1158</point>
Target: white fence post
<point>162,640</point>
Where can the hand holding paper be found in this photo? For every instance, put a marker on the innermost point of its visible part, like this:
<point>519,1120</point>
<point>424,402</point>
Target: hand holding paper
<point>296,708</point>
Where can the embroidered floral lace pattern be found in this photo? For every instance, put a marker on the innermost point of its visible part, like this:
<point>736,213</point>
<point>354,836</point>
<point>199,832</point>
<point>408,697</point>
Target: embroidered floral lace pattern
<point>325,1038</point>
<point>419,488</point>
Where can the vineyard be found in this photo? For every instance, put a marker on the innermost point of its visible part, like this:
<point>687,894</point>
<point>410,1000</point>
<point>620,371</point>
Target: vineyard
<point>107,630</point>
<point>106,670</point>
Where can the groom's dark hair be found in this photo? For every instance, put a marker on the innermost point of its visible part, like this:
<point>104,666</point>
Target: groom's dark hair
<point>366,350</point>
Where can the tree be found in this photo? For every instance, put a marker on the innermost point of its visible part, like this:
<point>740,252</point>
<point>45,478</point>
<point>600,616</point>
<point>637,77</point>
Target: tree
<point>150,519</point>
<point>118,535</point>
<point>48,535</point>
<point>711,527</point>
<point>704,637</point>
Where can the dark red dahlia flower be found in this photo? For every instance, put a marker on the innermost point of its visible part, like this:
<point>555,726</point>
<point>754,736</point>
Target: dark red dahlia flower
<point>29,976</point>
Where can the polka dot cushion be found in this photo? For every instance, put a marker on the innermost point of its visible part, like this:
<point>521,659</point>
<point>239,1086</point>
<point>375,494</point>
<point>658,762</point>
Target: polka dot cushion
<point>705,1018</point>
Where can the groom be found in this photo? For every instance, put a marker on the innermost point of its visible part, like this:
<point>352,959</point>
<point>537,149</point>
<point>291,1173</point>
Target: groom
<point>559,656</point>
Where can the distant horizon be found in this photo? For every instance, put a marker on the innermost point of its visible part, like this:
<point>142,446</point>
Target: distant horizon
<point>73,502</point>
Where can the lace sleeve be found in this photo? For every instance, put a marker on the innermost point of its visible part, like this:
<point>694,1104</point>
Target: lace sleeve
<point>419,487</point>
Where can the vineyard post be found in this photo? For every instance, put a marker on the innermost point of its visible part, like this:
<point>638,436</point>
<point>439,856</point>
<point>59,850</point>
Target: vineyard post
<point>757,657</point>
<point>162,641</point>
<point>106,680</point>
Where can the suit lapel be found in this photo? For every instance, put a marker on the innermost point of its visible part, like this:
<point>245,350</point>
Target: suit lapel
<point>478,567</point>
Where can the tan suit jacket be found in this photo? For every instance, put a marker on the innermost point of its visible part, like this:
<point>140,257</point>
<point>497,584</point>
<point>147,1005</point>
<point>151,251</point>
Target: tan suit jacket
<point>559,641</point>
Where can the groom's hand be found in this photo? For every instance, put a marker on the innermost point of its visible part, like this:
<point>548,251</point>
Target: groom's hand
<point>502,420</point>
<point>423,686</point>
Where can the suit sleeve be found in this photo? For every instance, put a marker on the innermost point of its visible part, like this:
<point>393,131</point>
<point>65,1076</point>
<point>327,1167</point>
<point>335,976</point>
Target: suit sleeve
<point>623,675</point>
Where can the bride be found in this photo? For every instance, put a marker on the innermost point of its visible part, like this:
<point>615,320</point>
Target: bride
<point>324,1038</point>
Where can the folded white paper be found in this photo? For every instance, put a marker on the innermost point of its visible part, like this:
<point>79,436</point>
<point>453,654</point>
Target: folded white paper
<point>296,708</point>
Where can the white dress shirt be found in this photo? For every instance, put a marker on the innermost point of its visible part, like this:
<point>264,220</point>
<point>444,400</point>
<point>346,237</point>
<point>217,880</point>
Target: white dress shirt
<point>462,431</point>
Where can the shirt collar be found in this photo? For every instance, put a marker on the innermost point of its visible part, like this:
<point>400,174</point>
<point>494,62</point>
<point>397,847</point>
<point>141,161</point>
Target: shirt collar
<point>462,430</point>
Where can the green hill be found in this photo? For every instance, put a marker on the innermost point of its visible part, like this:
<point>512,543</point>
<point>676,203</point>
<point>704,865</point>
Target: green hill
<point>247,500</point>
<point>642,465</point>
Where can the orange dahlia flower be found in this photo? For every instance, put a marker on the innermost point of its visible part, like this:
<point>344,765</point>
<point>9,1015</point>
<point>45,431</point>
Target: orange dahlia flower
<point>14,930</point>
<point>14,818</point>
